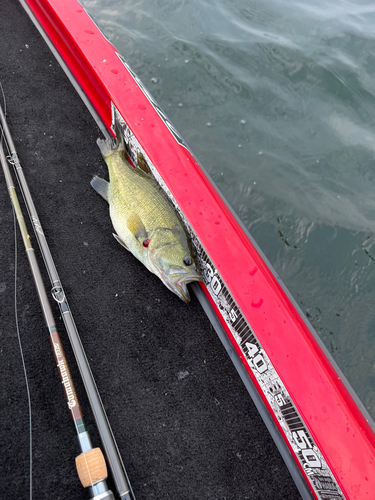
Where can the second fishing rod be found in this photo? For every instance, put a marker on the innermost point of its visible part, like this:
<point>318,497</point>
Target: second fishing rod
<point>112,453</point>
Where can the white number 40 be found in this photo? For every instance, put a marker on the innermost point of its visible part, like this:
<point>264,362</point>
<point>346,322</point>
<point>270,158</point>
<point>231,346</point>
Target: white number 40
<point>256,357</point>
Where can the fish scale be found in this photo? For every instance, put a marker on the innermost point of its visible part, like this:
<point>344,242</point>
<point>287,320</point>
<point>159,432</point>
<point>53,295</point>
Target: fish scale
<point>141,195</point>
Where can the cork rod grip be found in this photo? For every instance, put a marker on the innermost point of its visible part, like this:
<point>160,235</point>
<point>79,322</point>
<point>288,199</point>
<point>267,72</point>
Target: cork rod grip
<point>91,467</point>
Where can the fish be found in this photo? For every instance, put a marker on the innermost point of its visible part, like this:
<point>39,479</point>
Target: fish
<point>145,221</point>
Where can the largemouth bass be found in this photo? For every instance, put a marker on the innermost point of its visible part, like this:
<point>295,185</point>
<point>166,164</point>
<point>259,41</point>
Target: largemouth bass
<point>145,221</point>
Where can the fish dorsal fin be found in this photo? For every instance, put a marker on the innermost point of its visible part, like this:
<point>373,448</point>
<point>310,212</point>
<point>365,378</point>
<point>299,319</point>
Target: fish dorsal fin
<point>101,186</point>
<point>143,165</point>
<point>117,238</point>
<point>136,227</point>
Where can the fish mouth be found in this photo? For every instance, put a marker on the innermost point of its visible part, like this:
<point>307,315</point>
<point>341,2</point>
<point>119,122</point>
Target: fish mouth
<point>179,286</point>
<point>175,278</point>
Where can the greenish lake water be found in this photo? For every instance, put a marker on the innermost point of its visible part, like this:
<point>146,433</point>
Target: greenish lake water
<point>277,101</point>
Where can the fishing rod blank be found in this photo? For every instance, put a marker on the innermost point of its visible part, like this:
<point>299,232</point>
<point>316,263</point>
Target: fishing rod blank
<point>90,464</point>
<point>110,447</point>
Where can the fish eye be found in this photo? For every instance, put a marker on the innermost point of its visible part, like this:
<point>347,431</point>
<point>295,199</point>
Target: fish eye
<point>146,243</point>
<point>187,261</point>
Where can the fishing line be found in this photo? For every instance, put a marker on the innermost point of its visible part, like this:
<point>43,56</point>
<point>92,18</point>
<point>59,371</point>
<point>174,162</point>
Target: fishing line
<point>16,319</point>
<point>21,351</point>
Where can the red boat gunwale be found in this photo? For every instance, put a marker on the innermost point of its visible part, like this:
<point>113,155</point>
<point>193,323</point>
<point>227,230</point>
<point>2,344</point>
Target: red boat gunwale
<point>336,424</point>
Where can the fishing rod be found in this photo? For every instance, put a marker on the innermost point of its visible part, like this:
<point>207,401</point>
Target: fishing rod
<point>90,464</point>
<point>89,457</point>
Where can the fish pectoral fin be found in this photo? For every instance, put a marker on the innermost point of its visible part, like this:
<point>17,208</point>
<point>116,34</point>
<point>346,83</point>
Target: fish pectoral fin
<point>101,186</point>
<point>120,241</point>
<point>136,227</point>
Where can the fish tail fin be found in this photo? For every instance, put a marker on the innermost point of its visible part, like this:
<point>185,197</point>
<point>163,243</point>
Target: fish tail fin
<point>110,146</point>
<point>107,146</point>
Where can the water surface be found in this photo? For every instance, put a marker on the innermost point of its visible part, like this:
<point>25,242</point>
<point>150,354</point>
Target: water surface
<point>277,101</point>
